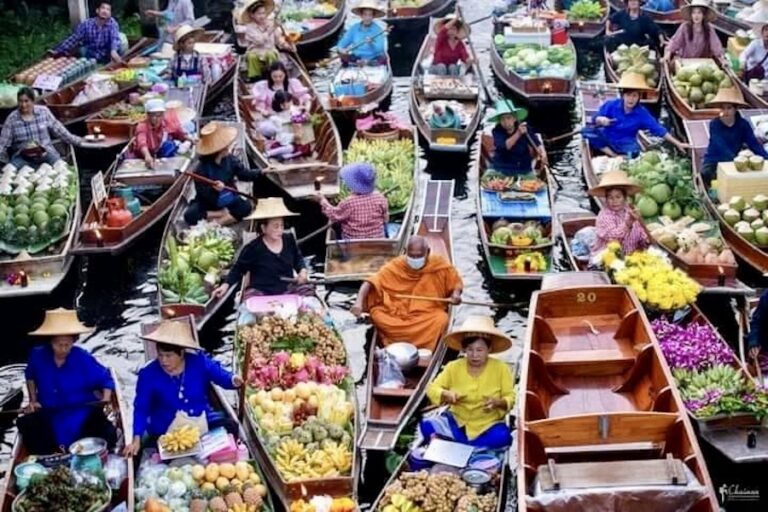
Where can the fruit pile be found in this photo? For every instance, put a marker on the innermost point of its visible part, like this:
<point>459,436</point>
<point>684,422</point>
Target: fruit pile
<point>124,111</point>
<point>393,161</point>
<point>318,459</point>
<point>637,59</point>
<point>497,182</point>
<point>63,490</point>
<point>749,220</point>
<point>35,206</point>
<point>180,440</point>
<point>531,60</point>
<point>530,234</point>
<point>698,84</point>
<point>425,492</point>
<point>585,10</point>
<point>206,251</point>
<point>324,504</point>
<point>528,262</point>
<point>69,68</point>
<point>691,241</point>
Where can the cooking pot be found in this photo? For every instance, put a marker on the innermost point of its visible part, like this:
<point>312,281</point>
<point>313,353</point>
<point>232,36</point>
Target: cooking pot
<point>88,453</point>
<point>477,479</point>
<point>406,354</point>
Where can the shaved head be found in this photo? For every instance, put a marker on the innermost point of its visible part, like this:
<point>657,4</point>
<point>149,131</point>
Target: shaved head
<point>417,247</point>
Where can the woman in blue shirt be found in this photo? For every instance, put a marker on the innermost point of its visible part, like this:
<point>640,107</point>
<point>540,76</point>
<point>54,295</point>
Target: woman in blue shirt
<point>365,42</point>
<point>513,150</point>
<point>728,133</point>
<point>618,121</point>
<point>65,384</point>
<point>177,381</point>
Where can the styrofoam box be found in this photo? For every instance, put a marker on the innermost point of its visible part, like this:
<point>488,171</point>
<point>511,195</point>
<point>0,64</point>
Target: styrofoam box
<point>748,184</point>
<point>542,38</point>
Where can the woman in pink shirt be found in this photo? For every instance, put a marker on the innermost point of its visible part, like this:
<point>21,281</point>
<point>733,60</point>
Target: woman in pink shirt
<point>618,221</point>
<point>263,91</point>
<point>696,37</point>
<point>450,50</point>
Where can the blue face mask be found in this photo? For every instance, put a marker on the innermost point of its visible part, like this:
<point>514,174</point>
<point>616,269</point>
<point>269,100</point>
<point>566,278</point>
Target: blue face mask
<point>416,263</point>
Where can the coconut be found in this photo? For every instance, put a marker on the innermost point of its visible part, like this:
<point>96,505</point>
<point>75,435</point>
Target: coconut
<point>695,79</point>
<point>764,216</point>
<point>741,163</point>
<point>760,202</point>
<point>761,236</point>
<point>731,216</point>
<point>745,231</point>
<point>750,214</point>
<point>757,224</point>
<point>695,95</point>
<point>756,163</point>
<point>738,203</point>
<point>722,208</point>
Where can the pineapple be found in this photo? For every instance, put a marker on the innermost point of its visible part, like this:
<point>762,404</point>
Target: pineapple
<point>217,504</point>
<point>232,496</point>
<point>198,503</point>
<point>251,496</point>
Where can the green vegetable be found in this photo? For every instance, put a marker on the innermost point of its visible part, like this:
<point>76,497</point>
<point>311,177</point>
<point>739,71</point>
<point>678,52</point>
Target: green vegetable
<point>585,10</point>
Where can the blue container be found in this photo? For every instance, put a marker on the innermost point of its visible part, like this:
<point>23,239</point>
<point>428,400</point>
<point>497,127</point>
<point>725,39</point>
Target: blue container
<point>416,462</point>
<point>353,89</point>
<point>131,202</point>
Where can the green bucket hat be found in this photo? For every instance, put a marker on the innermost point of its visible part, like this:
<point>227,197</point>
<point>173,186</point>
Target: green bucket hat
<point>505,106</point>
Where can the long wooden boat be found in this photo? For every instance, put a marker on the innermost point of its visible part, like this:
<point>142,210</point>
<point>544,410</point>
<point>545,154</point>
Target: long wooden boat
<point>727,21</point>
<point>491,208</point>
<point>697,133</point>
<point>388,410</point>
<point>46,269</point>
<point>375,91</point>
<point>598,398</point>
<point>176,224</point>
<point>586,30</point>
<point>427,88</point>
<point>349,261</point>
<point>612,75</point>
<point>297,177</point>
<point>397,13</point>
<point>118,416</point>
<point>666,20</point>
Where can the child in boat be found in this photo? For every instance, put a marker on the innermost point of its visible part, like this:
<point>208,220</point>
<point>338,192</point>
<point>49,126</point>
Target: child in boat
<point>365,42</point>
<point>277,79</point>
<point>187,63</point>
<point>262,37</point>
<point>278,132</point>
<point>618,221</point>
<point>513,150</point>
<point>450,51</point>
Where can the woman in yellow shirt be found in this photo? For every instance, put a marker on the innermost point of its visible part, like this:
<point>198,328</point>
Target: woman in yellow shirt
<point>478,389</point>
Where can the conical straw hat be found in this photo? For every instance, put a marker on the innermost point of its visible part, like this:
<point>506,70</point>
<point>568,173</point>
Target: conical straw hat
<point>214,137</point>
<point>369,4</point>
<point>270,208</point>
<point>478,326</point>
<point>184,31</point>
<point>615,179</point>
<point>179,332</point>
<point>462,26</point>
<point>631,81</point>
<point>245,17</point>
<point>709,12</point>
<point>61,322</point>
<point>728,96</point>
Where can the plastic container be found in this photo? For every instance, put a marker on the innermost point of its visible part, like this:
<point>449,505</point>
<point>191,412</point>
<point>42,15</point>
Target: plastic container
<point>559,36</point>
<point>416,462</point>
<point>26,470</point>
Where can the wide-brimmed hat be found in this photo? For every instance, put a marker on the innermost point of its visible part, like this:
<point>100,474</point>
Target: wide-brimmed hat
<point>478,326</point>
<point>615,179</point>
<point>179,332</point>
<point>631,81</point>
<point>270,208</point>
<point>728,96</point>
<point>360,177</point>
<point>185,114</point>
<point>61,322</point>
<point>504,107</point>
<point>709,12</point>
<point>373,5</point>
<point>184,32</point>
<point>155,105</point>
<point>214,137</point>
<point>462,25</point>
<point>245,16</point>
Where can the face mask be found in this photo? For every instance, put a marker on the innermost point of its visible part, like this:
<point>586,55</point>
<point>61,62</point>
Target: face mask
<point>416,263</point>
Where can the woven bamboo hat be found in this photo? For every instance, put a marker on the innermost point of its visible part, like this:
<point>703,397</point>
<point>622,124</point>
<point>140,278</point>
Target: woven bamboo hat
<point>270,208</point>
<point>478,326</point>
<point>184,32</point>
<point>463,27</point>
<point>373,5</point>
<point>214,137</point>
<point>61,322</point>
<point>615,179</point>
<point>632,81</point>
<point>179,332</point>
<point>245,14</point>
<point>728,96</point>
<point>709,12</point>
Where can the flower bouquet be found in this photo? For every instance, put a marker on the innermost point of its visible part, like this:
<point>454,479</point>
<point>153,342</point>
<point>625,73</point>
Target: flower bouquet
<point>303,129</point>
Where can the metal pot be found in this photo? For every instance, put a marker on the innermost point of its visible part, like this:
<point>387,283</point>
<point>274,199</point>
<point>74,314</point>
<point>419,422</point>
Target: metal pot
<point>477,479</point>
<point>89,452</point>
<point>406,354</point>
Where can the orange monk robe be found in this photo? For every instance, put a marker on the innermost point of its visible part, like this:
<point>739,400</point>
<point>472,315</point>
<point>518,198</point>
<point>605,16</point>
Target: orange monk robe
<point>420,322</point>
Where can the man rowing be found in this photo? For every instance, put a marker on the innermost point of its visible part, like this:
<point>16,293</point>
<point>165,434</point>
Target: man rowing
<point>385,295</point>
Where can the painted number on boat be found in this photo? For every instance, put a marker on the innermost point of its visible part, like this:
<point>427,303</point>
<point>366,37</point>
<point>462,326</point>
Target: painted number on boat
<point>586,297</point>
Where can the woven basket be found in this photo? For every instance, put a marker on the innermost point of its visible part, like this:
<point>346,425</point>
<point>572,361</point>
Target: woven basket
<point>388,135</point>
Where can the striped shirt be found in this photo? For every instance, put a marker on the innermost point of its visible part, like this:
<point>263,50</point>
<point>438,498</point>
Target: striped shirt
<point>18,132</point>
<point>611,225</point>
<point>360,216</point>
<point>98,40</point>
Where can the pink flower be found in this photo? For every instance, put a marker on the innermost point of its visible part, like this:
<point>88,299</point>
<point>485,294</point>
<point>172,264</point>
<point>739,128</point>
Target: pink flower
<point>281,358</point>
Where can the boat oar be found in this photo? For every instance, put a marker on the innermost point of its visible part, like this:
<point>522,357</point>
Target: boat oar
<point>58,408</point>
<point>203,179</point>
<point>447,300</point>
<point>324,62</point>
<point>563,136</point>
<point>546,167</point>
<point>758,370</point>
<point>478,68</point>
<point>314,233</point>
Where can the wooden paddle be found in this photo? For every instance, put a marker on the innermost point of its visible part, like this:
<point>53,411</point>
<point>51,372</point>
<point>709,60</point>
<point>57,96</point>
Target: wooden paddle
<point>211,182</point>
<point>328,60</point>
<point>478,68</point>
<point>446,300</point>
<point>59,408</point>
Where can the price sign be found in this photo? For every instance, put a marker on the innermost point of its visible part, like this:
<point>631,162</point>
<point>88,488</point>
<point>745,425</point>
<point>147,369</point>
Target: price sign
<point>98,189</point>
<point>48,82</point>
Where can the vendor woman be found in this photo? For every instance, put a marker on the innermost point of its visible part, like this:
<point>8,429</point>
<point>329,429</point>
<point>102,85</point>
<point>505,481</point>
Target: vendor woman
<point>478,389</point>
<point>729,133</point>
<point>187,61</point>
<point>261,37</point>
<point>218,164</point>
<point>154,134</point>
<point>177,384</point>
<point>618,121</point>
<point>632,26</point>
<point>618,221</point>
<point>365,42</point>
<point>696,38</point>
<point>273,261</point>
<point>66,386</point>
<point>514,145</point>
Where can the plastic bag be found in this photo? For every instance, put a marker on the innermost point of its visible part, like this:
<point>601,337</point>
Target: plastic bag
<point>389,374</point>
<point>583,242</point>
<point>115,471</point>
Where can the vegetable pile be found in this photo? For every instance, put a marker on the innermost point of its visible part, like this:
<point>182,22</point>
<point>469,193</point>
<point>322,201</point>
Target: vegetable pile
<point>35,206</point>
<point>8,98</point>
<point>749,220</point>
<point>637,59</point>
<point>196,488</point>
<point>61,490</point>
<point>699,84</point>
<point>532,233</point>
<point>206,251</point>
<point>425,492</point>
<point>531,60</point>
<point>585,10</point>
<point>393,161</point>
<point>124,111</point>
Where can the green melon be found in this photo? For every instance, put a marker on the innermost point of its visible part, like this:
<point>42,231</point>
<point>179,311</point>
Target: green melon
<point>21,219</point>
<point>22,200</point>
<point>38,205</point>
<point>21,208</point>
<point>40,218</point>
<point>57,211</point>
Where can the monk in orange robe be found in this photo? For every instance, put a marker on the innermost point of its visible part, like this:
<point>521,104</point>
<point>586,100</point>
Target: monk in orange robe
<point>417,321</point>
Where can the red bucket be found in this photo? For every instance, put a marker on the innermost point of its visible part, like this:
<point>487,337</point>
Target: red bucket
<point>559,36</point>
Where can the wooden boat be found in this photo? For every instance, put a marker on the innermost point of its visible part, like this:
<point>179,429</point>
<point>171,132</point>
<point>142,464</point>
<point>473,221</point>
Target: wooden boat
<point>535,91</point>
<point>398,13</point>
<point>592,97</point>
<point>117,414</point>
<point>491,208</point>
<point>298,175</point>
<point>586,30</point>
<point>666,20</point>
<point>726,22</point>
<point>593,405</point>
<point>353,260</point>
<point>201,312</point>
<point>343,99</point>
<point>697,132</point>
<point>46,269</point>
<point>61,102</point>
<point>9,404</point>
<point>612,75</point>
<point>159,190</point>
<point>388,410</point>
<point>428,88</point>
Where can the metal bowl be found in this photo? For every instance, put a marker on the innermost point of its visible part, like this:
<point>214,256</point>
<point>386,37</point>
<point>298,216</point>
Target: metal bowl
<point>88,446</point>
<point>406,354</point>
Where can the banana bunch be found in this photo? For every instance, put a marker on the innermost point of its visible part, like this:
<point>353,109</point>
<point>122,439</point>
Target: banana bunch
<point>242,507</point>
<point>393,161</point>
<point>295,462</point>
<point>181,439</point>
<point>720,377</point>
<point>125,75</point>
